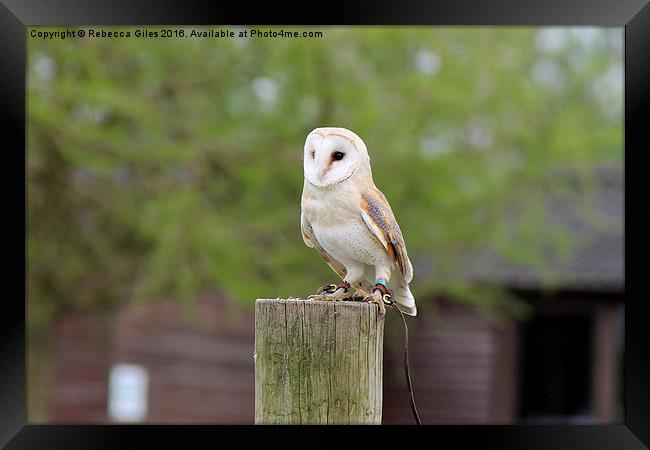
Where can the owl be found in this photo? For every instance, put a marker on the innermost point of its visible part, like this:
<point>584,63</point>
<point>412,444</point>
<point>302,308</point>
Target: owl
<point>350,223</point>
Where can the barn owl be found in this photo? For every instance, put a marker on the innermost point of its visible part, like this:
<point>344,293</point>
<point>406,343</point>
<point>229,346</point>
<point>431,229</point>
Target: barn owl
<point>350,223</point>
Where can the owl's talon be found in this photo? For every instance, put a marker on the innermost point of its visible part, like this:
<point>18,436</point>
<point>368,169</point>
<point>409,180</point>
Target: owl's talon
<point>377,298</point>
<point>328,288</point>
<point>332,292</point>
<point>381,296</point>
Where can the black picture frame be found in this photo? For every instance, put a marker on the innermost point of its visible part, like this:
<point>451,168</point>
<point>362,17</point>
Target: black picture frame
<point>16,15</point>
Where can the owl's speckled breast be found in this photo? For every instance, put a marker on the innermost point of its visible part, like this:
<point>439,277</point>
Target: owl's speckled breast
<point>351,242</point>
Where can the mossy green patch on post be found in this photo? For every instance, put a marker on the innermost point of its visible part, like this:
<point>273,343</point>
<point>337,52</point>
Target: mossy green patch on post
<point>317,362</point>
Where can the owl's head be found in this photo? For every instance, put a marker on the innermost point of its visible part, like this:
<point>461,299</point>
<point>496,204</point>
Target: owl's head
<point>333,155</point>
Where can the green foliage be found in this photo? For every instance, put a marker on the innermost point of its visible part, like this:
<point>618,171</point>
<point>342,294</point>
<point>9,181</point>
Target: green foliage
<point>163,167</point>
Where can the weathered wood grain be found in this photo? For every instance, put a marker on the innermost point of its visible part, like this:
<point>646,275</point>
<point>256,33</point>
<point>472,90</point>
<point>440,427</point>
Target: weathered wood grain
<point>317,362</point>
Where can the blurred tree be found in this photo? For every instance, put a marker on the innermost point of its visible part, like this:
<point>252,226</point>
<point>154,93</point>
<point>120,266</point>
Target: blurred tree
<point>163,167</point>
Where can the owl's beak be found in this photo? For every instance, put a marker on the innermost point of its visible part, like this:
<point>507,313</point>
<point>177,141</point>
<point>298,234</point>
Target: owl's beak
<point>322,174</point>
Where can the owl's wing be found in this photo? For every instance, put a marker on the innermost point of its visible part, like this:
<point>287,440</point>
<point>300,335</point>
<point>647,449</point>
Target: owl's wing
<point>377,214</point>
<point>312,242</point>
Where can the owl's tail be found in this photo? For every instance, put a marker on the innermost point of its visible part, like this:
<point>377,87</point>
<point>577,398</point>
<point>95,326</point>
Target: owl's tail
<point>403,296</point>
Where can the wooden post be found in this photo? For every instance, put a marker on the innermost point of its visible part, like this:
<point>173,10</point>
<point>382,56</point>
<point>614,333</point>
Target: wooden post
<point>317,362</point>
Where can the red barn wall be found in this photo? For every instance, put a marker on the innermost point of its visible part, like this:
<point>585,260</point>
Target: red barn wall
<point>201,367</point>
<point>459,363</point>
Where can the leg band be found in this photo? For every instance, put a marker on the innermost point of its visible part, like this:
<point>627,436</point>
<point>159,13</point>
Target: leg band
<point>343,284</point>
<point>381,281</point>
<point>385,294</point>
<point>381,288</point>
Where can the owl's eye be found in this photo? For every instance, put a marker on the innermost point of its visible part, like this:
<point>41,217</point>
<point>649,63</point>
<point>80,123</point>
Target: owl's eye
<point>313,154</point>
<point>338,156</point>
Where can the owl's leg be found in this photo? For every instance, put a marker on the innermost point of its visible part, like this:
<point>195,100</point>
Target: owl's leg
<point>332,292</point>
<point>381,296</point>
<point>355,276</point>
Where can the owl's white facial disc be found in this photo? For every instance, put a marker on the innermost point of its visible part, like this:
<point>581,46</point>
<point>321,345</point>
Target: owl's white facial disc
<point>329,160</point>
